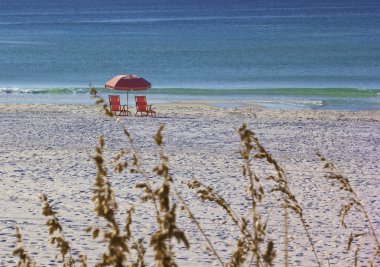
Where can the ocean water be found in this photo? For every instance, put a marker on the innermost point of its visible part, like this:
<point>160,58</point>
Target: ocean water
<point>287,54</point>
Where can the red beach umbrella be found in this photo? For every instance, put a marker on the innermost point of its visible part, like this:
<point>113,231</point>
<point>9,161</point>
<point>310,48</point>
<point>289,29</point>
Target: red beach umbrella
<point>128,82</point>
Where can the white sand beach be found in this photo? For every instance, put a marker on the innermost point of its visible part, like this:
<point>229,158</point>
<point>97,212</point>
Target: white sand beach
<point>48,149</point>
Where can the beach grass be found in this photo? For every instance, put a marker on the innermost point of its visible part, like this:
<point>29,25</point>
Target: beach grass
<point>254,247</point>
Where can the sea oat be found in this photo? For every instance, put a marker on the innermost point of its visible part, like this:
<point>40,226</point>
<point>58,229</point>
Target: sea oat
<point>20,251</point>
<point>281,186</point>
<point>106,208</point>
<point>168,230</point>
<point>55,231</point>
<point>352,203</point>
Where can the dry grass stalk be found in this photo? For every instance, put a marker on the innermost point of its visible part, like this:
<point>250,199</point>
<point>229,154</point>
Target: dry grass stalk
<point>106,205</point>
<point>136,245</point>
<point>166,216</point>
<point>106,208</point>
<point>140,250</point>
<point>156,196</point>
<point>168,230</point>
<point>83,260</point>
<point>352,202</point>
<point>55,231</point>
<point>249,241</point>
<point>198,225</point>
<point>282,187</point>
<point>256,191</point>
<point>121,164</point>
<point>207,193</point>
<point>135,168</point>
<point>20,251</point>
<point>240,255</point>
<point>246,242</point>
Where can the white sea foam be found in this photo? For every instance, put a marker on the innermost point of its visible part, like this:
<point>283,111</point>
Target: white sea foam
<point>290,103</point>
<point>14,90</point>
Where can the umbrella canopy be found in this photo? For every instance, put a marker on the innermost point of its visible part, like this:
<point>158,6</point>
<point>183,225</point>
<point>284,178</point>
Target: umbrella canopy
<point>128,82</point>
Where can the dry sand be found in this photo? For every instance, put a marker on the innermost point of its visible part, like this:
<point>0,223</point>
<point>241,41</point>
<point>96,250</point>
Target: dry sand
<point>48,149</point>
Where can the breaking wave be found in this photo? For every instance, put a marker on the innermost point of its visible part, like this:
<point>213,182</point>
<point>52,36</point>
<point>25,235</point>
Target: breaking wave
<point>307,92</point>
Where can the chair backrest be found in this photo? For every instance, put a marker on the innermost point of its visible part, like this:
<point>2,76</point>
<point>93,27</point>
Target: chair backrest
<point>114,102</point>
<point>141,104</point>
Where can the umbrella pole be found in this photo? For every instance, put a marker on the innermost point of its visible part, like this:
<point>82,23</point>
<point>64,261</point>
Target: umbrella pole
<point>127,103</point>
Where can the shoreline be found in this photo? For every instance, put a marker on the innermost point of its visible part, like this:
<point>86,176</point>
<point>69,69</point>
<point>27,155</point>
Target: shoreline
<point>227,104</point>
<point>48,149</point>
<point>350,99</point>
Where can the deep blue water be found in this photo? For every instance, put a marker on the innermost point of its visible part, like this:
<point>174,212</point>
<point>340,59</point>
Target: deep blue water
<point>192,44</point>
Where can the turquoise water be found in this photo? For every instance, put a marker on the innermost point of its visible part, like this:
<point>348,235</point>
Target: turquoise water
<point>290,54</point>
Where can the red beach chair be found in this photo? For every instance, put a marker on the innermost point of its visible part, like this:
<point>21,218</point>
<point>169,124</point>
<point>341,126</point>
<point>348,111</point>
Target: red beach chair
<point>115,106</point>
<point>143,107</point>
